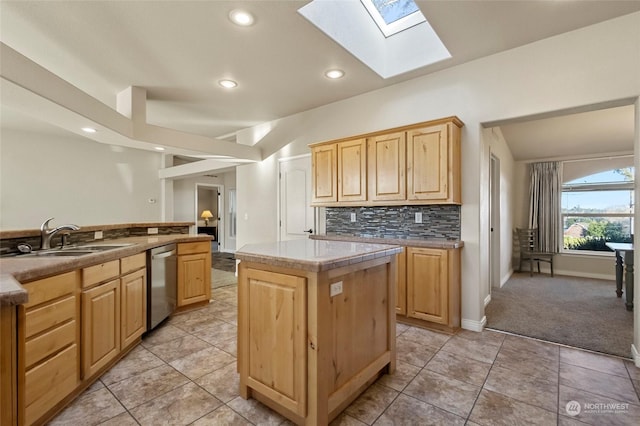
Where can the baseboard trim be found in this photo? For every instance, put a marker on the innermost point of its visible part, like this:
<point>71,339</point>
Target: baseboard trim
<point>636,355</point>
<point>487,300</point>
<point>472,325</point>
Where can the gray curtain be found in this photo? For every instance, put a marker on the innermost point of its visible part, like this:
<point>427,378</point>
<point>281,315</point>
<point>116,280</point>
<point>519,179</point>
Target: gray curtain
<point>544,206</point>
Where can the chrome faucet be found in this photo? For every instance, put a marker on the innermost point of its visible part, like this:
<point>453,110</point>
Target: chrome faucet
<point>47,234</point>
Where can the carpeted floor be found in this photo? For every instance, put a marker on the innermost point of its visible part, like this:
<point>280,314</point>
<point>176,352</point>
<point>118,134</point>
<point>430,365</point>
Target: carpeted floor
<point>579,312</point>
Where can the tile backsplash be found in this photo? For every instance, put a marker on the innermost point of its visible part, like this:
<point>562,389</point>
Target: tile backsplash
<point>438,221</point>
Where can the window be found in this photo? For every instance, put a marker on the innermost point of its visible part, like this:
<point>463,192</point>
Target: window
<point>393,16</point>
<point>598,208</point>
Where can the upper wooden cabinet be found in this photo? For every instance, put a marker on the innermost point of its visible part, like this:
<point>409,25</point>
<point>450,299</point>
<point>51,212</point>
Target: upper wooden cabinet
<point>417,164</point>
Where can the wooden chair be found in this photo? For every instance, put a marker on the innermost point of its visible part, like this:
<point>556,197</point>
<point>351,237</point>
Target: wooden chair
<point>529,250</point>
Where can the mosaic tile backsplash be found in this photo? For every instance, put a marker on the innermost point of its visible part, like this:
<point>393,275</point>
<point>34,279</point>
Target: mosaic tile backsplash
<point>438,221</point>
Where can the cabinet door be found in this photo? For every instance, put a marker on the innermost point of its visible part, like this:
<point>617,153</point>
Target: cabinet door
<point>194,278</point>
<point>428,284</point>
<point>324,173</point>
<point>387,164</point>
<point>428,163</point>
<point>352,170</point>
<point>401,283</point>
<point>100,326</point>
<point>133,300</point>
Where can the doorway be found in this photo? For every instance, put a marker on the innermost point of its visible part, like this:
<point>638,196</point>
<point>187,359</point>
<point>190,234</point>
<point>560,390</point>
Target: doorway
<point>494,223</point>
<point>208,209</point>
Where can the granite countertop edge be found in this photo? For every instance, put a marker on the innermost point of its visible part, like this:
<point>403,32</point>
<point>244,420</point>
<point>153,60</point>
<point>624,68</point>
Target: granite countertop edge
<point>16,270</point>
<point>317,265</point>
<point>412,242</point>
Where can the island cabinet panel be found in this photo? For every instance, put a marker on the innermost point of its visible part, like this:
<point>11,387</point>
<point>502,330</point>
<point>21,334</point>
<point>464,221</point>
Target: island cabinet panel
<point>100,326</point>
<point>387,167</point>
<point>324,173</point>
<point>48,345</point>
<point>277,339</point>
<point>194,283</point>
<point>352,170</point>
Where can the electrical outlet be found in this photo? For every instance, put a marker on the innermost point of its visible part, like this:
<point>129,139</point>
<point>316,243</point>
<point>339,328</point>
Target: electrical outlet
<point>152,231</point>
<point>418,217</point>
<point>336,288</point>
<point>98,235</point>
<point>353,217</point>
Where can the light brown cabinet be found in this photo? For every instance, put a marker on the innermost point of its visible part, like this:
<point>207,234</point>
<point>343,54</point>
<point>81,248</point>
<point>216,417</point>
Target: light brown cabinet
<point>417,164</point>
<point>428,293</point>
<point>194,273</point>
<point>133,298</point>
<point>49,339</point>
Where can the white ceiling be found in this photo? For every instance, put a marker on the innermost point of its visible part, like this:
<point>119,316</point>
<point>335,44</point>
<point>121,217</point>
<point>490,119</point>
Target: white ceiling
<point>178,50</point>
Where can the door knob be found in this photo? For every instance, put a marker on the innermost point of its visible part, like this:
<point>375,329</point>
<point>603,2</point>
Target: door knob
<point>309,231</point>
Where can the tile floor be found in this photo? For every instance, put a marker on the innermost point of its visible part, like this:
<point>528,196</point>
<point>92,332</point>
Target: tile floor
<point>185,373</point>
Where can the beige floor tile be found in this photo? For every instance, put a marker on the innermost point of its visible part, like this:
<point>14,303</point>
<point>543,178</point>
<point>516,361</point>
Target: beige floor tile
<point>569,421</point>
<point>523,387</point>
<point>224,383</point>
<point>607,385</point>
<point>528,363</point>
<point>426,337</point>
<point>486,336</point>
<point>163,334</point>
<point>90,409</point>
<point>346,420</point>
<point>368,406</point>
<point>178,348</point>
<point>406,410</point>
<point>202,362</point>
<point>255,412</point>
<point>218,333</point>
<point>222,416</point>
<point>401,328</point>
<point>147,386</point>
<point>471,349</point>
<point>95,386</point>
<point>459,367</point>
<point>548,351</point>
<point>180,406</point>
<point>595,409</point>
<point>634,372</point>
<point>229,346</point>
<point>124,419</point>
<point>135,362</point>
<point>496,409</point>
<point>413,353</point>
<point>444,392</point>
<point>401,377</point>
<point>602,363</point>
<point>197,323</point>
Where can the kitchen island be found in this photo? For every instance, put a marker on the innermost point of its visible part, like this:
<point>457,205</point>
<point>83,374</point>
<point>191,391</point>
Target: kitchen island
<point>316,324</point>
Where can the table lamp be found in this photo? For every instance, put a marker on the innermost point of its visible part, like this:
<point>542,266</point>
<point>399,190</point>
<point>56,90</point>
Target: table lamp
<point>206,215</point>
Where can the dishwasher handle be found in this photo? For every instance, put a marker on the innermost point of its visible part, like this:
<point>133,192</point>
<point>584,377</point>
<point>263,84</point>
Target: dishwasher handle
<point>163,255</point>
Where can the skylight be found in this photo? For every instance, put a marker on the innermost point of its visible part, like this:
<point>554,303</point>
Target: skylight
<point>414,44</point>
<point>393,16</point>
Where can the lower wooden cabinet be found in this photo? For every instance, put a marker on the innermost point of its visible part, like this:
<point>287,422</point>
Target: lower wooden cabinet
<point>194,273</point>
<point>133,299</point>
<point>49,339</point>
<point>429,292</point>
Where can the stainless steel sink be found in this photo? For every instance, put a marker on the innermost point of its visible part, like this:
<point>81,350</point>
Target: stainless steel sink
<point>99,247</point>
<point>58,253</point>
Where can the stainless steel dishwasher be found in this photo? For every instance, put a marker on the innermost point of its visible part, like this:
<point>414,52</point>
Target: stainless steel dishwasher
<point>162,274</point>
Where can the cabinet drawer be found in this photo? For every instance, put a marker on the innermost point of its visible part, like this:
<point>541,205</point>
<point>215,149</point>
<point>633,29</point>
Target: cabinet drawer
<point>49,383</point>
<point>40,347</point>
<point>47,316</point>
<point>50,288</point>
<point>133,263</point>
<point>98,273</point>
<point>191,248</point>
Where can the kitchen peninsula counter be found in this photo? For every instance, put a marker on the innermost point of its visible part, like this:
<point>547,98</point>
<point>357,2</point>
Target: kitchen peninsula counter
<point>438,243</point>
<point>316,324</point>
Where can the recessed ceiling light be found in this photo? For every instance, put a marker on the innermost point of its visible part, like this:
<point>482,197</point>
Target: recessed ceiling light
<point>241,17</point>
<point>229,84</point>
<point>333,74</point>
<point>89,130</point>
<point>158,148</point>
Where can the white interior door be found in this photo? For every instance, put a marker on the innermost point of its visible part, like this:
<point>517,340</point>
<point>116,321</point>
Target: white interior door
<point>494,236</point>
<point>296,214</point>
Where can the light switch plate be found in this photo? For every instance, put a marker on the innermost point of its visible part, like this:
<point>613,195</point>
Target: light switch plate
<point>418,217</point>
<point>336,288</point>
<point>98,235</point>
<point>353,217</point>
<point>152,231</point>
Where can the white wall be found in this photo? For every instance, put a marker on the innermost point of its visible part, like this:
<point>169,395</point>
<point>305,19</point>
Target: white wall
<point>229,183</point>
<point>584,67</point>
<point>74,180</point>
